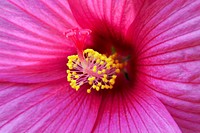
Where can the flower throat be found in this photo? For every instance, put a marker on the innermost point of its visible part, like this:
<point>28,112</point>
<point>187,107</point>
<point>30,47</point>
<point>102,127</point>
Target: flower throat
<point>89,66</point>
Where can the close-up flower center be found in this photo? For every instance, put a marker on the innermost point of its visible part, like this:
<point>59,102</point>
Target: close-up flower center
<point>95,66</point>
<point>91,67</point>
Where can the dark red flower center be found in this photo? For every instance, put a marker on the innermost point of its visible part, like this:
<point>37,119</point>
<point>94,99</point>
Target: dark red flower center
<point>90,67</point>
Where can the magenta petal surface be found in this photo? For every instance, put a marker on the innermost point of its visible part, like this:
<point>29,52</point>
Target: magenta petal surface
<point>135,111</point>
<point>110,15</point>
<point>46,108</point>
<point>33,46</point>
<point>167,40</point>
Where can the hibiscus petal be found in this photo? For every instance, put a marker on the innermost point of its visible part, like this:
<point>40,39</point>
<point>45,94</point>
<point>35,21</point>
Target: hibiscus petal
<point>167,43</point>
<point>109,15</point>
<point>134,110</point>
<point>31,36</point>
<point>46,108</point>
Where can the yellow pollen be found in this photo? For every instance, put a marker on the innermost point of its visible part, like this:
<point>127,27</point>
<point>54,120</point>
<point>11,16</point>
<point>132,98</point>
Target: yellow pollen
<point>117,70</point>
<point>94,69</point>
<point>99,71</point>
<point>88,91</point>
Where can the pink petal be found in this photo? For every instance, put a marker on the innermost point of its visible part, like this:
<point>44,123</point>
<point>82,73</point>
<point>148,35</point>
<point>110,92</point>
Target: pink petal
<point>167,41</point>
<point>32,44</point>
<point>46,108</point>
<point>134,110</point>
<point>108,15</point>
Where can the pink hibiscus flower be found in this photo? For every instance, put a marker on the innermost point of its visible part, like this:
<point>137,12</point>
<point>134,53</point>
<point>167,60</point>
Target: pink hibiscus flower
<point>157,91</point>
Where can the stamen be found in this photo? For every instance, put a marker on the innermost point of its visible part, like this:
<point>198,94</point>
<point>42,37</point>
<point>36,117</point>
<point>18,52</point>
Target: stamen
<point>101,71</point>
<point>89,66</point>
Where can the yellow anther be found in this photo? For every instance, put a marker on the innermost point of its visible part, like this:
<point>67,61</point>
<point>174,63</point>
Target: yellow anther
<point>76,76</point>
<point>113,65</point>
<point>103,71</point>
<point>68,78</point>
<point>77,87</point>
<point>74,73</point>
<point>69,65</point>
<point>96,55</point>
<point>68,71</point>
<point>97,88</point>
<point>105,75</point>
<point>108,60</point>
<point>112,81</point>
<point>117,70</point>
<point>117,65</point>
<point>103,57</point>
<point>102,62</point>
<point>89,54</point>
<point>99,84</point>
<point>108,67</point>
<point>98,61</point>
<point>94,69</point>
<point>69,75</point>
<point>88,90</point>
<point>106,86</point>
<point>90,82</point>
<point>103,87</point>
<point>104,80</point>
<point>73,81</point>
<point>114,76</point>
<point>91,79</point>
<point>99,72</point>
<point>70,57</point>
<point>94,86</point>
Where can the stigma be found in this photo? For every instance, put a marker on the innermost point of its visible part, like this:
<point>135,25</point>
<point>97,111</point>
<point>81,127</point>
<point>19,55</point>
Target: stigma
<point>90,67</point>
